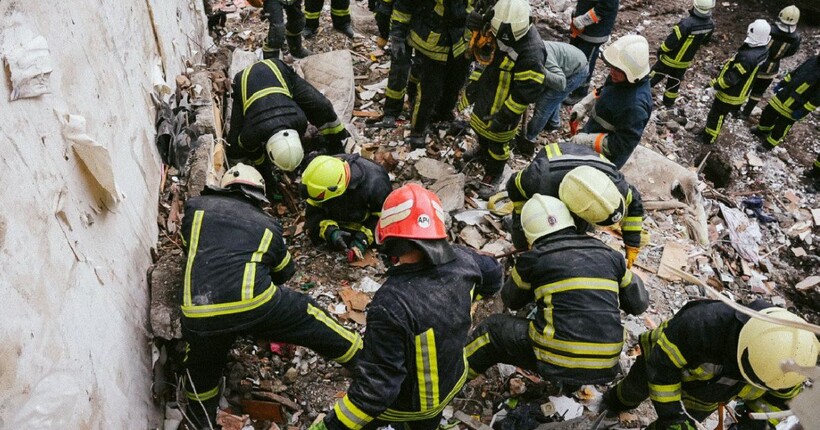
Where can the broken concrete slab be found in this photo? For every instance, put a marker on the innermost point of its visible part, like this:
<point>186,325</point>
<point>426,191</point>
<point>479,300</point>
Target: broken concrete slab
<point>674,255</point>
<point>201,171</point>
<point>332,74</point>
<point>450,190</point>
<point>240,59</point>
<point>166,280</point>
<point>472,237</point>
<point>433,169</point>
<point>471,216</point>
<point>203,103</point>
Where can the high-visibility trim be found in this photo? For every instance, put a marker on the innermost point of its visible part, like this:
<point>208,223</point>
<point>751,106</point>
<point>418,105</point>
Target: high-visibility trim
<point>340,12</point>
<point>599,143</point>
<point>283,89</point>
<point>201,397</point>
<point>360,228</point>
<point>529,75</point>
<point>284,263</point>
<point>313,203</point>
<point>249,276</point>
<point>472,374</point>
<point>572,284</point>
<point>426,369</point>
<point>676,29</point>
<point>750,392</point>
<point>475,75</point>
<point>324,225</point>
<point>517,207</point>
<point>429,47</point>
<point>549,325</point>
<point>740,68</point>
<point>350,415</point>
<point>313,15</point>
<point>400,16</point>
<point>354,339</point>
<point>744,92</point>
<point>675,64</point>
<point>514,106</point>
<point>809,107</point>
<point>395,94</point>
<point>518,185</point>
<point>627,279</point>
<point>760,405</point>
<point>782,394</point>
<point>684,48</point>
<point>503,88</point>
<point>665,48</point>
<point>781,107</point>
<point>575,362</point>
<point>196,228</point>
<point>504,156</point>
<point>553,151</point>
<point>666,393</point>
<point>483,129</point>
<point>632,223</point>
<point>608,350</point>
<point>817,164</point>
<point>477,344</point>
<point>671,351</point>
<point>439,8</point>
<point>691,403</point>
<point>392,414</point>
<point>205,311</point>
<point>520,283</point>
<point>332,127</point>
<point>704,372</point>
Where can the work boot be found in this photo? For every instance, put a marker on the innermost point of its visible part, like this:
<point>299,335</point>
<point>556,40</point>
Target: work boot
<point>309,32</point>
<point>746,112</point>
<point>706,138</point>
<point>345,29</point>
<point>296,48</point>
<point>387,122</point>
<point>268,54</point>
<point>490,185</point>
<point>417,141</point>
<point>524,146</point>
<point>757,132</point>
<point>764,147</point>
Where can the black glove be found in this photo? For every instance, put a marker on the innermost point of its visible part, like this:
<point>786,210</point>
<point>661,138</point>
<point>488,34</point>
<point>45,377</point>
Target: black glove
<point>475,21</point>
<point>677,425</point>
<point>398,46</point>
<point>339,238</point>
<point>359,241</point>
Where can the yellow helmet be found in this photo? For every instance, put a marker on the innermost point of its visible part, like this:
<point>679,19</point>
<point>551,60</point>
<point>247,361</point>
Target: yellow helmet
<point>762,348</point>
<point>285,149</point>
<point>324,178</point>
<point>590,194</point>
<point>789,15</point>
<point>247,179</point>
<point>544,215</point>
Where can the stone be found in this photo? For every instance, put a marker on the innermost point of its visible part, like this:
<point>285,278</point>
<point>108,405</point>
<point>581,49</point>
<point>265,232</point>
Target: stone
<point>472,237</point>
<point>450,189</point>
<point>433,169</point>
<point>674,255</point>
<point>332,74</point>
<point>810,282</point>
<point>166,280</point>
<point>290,375</point>
<point>672,125</point>
<point>240,59</point>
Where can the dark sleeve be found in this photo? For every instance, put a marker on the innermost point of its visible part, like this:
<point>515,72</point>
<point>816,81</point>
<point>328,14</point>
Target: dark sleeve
<point>317,107</point>
<point>527,82</point>
<point>606,8</point>
<point>376,200</point>
<point>730,75</point>
<point>492,274</point>
<point>237,112</point>
<point>627,134</point>
<point>318,227</point>
<point>632,223</point>
<point>379,374</point>
<point>401,16</point>
<point>793,47</point>
<point>672,41</point>
<point>708,37</point>
<point>278,257</point>
<point>517,291</point>
<point>632,295</point>
<point>520,187</point>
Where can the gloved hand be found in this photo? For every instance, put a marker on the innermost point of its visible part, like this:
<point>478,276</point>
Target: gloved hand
<point>319,426</point>
<point>578,112</point>
<point>339,238</point>
<point>398,46</point>
<point>631,255</point>
<point>585,139</point>
<point>679,425</point>
<point>581,21</point>
<point>475,21</point>
<point>359,241</point>
<point>749,424</point>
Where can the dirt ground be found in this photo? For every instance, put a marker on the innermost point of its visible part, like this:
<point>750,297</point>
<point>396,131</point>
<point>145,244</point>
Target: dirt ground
<point>314,384</point>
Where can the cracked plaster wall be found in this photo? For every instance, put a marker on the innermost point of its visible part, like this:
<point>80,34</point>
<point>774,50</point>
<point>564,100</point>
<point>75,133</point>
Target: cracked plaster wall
<point>74,346</point>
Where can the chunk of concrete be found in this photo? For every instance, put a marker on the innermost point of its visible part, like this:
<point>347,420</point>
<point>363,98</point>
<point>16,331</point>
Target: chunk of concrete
<point>450,190</point>
<point>472,237</point>
<point>240,59</point>
<point>201,165</point>
<point>166,285</point>
<point>332,74</point>
<point>433,169</point>
<point>203,103</point>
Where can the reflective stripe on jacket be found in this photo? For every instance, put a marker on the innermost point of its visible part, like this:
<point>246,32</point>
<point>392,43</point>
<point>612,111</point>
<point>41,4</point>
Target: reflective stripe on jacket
<point>687,36</point>
<point>734,83</point>
<point>784,44</point>
<point>801,90</point>
<point>436,28</point>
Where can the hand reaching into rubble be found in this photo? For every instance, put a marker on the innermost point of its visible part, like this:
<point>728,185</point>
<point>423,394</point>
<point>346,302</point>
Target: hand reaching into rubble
<point>339,239</point>
<point>631,255</point>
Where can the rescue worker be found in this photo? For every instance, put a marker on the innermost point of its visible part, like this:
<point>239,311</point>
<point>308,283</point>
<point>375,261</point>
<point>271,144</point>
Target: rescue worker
<point>278,31</point>
<point>620,109</point>
<point>339,14</point>
<point>708,353</point>
<point>413,362</point>
<point>344,196</point>
<point>502,91</point>
<point>796,96</point>
<point>576,336</point>
<point>734,82</point>
<point>566,69</point>
<point>436,30</point>
<point>785,42</point>
<point>678,50</point>
<point>593,189</point>
<point>591,26</point>
<point>237,263</point>
<point>272,106</point>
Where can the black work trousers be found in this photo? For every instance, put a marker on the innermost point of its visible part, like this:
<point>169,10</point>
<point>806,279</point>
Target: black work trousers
<point>438,89</point>
<point>775,125</point>
<point>759,87</point>
<point>500,339</point>
<point>591,50</point>
<point>296,319</point>
<point>339,12</point>
<point>428,424</point>
<point>401,69</point>
<point>716,118</point>
<point>277,28</point>
<point>674,78</point>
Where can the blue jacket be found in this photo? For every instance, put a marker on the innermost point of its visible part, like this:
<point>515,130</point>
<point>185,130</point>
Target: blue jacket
<point>605,12</point>
<point>621,111</point>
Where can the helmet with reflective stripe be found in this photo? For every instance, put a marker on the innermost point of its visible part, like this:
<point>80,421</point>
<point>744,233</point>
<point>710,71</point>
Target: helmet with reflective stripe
<point>544,215</point>
<point>511,20</point>
<point>763,347</point>
<point>758,33</point>
<point>285,149</point>
<point>246,179</point>
<point>591,194</point>
<point>630,54</point>
<point>324,178</point>
<point>411,212</point>
<point>704,6</point>
<point>789,15</point>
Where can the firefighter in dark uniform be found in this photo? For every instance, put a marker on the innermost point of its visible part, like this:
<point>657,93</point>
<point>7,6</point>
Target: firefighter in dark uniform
<point>278,31</point>
<point>414,363</point>
<point>272,106</point>
<point>591,26</point>
<point>344,197</point>
<point>734,83</point>
<point>678,51</point>
<point>237,263</point>
<point>709,353</point>
<point>796,96</point>
<point>785,42</point>
<point>593,189</point>
<point>436,30</point>
<point>503,90</point>
<point>339,14</point>
<point>577,335</point>
<point>620,109</point>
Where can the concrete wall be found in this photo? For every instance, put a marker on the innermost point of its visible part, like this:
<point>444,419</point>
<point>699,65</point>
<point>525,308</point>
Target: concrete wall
<point>74,348</point>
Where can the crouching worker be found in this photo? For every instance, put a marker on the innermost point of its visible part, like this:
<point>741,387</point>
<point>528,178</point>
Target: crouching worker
<point>413,362</point>
<point>344,198</point>
<point>237,263</point>
<point>709,353</point>
<point>578,283</point>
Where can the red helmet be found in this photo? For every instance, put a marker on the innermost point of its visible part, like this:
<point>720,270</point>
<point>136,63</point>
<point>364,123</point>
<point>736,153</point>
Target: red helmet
<point>411,212</point>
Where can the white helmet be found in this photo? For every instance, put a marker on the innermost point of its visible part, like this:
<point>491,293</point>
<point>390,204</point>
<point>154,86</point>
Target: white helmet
<point>704,6</point>
<point>246,179</point>
<point>591,194</point>
<point>757,34</point>
<point>511,20</point>
<point>543,215</point>
<point>630,54</point>
<point>789,15</point>
<point>285,149</point>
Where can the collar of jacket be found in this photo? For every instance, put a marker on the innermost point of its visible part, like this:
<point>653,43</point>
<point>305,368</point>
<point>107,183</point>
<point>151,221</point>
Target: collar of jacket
<point>558,236</point>
<point>609,82</point>
<point>407,268</point>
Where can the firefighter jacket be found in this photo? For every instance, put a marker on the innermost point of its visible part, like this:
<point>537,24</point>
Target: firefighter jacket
<point>502,91</point>
<point>236,259</point>
<point>734,83</point>
<point>688,35</point>
<point>413,362</point>
<point>545,173</point>
<point>575,280</point>
<point>800,94</point>
<point>268,96</point>
<point>783,44</point>
<point>619,117</point>
<point>603,14</point>
<point>435,28</point>
<point>358,209</point>
<point>693,357</point>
